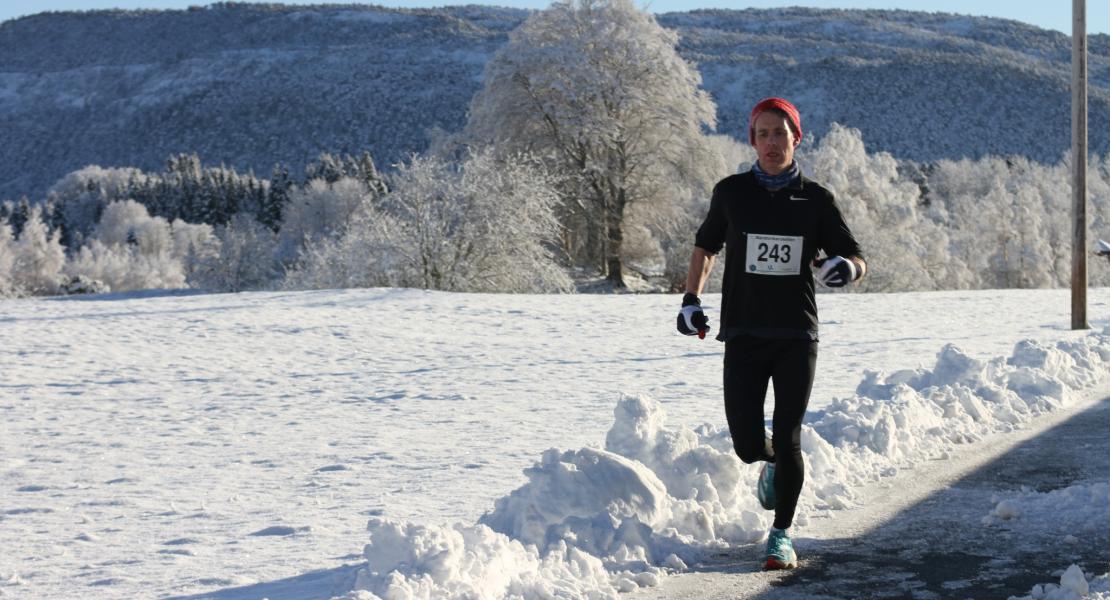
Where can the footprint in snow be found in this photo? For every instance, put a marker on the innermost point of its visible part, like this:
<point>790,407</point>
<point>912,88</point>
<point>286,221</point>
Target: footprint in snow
<point>112,581</point>
<point>280,531</point>
<point>330,468</point>
<point>217,581</point>
<point>181,542</point>
<point>178,552</point>
<point>26,511</point>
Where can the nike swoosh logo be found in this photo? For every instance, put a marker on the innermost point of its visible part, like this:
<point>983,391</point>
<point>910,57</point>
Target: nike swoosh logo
<point>796,198</point>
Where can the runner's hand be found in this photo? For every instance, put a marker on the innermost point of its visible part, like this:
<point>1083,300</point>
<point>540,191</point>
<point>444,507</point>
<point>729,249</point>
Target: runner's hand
<point>835,271</point>
<point>692,320</point>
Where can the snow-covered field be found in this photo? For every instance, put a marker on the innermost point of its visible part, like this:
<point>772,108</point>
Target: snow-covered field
<point>155,445</point>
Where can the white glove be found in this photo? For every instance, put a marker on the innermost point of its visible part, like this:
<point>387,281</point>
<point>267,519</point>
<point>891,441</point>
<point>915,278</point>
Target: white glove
<point>836,271</point>
<point>692,320</point>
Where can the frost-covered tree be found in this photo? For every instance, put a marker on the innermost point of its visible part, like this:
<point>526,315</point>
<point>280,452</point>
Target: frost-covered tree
<point>193,245</point>
<point>674,224</point>
<point>7,260</point>
<point>1008,219</point>
<point>319,210</point>
<point>331,168</point>
<point>1098,187</point>
<point>367,171</point>
<point>129,250</point>
<point>486,224</point>
<point>124,268</point>
<point>81,196</point>
<point>883,208</point>
<point>366,256</point>
<point>327,167</point>
<point>597,90</point>
<point>246,260</point>
<point>38,257</point>
<point>128,222</point>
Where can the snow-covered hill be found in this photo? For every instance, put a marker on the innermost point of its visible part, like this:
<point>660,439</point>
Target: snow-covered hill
<point>178,443</point>
<point>252,85</point>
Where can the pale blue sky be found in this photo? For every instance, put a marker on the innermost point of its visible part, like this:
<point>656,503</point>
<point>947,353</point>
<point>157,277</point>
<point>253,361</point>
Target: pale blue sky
<point>1049,15</point>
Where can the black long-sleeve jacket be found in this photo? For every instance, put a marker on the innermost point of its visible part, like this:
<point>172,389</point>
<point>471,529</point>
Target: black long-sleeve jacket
<point>772,239</point>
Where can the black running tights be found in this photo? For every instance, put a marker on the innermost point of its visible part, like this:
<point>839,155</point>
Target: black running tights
<point>749,363</point>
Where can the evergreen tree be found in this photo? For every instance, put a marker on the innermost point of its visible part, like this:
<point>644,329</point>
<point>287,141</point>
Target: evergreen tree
<point>327,167</point>
<point>276,198</point>
<point>7,207</point>
<point>183,173</point>
<point>368,173</point>
<point>20,215</point>
<point>55,221</point>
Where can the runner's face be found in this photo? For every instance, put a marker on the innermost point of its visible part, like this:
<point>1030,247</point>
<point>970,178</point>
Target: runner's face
<point>774,142</point>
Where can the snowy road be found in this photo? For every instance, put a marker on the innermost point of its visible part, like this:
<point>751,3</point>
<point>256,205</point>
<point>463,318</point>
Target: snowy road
<point>928,533</point>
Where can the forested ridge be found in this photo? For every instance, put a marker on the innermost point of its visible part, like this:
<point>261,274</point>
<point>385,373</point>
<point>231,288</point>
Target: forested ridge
<point>254,85</point>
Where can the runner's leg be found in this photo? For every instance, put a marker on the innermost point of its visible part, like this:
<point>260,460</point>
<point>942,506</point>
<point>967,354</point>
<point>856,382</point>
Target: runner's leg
<point>747,371</point>
<point>792,374</point>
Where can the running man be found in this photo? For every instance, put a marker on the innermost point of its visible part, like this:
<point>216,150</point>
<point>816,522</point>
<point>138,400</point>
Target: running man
<point>775,222</point>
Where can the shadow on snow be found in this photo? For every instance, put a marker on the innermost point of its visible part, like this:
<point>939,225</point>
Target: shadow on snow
<point>940,547</point>
<point>315,585</point>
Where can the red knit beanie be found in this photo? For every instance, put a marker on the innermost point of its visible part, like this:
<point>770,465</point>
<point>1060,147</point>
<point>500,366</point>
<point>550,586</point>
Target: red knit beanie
<point>781,104</point>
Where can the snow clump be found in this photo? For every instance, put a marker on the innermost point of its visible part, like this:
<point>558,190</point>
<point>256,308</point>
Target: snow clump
<point>1073,586</point>
<point>1078,508</point>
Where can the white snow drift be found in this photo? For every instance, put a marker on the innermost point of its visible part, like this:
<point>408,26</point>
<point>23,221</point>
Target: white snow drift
<point>594,522</point>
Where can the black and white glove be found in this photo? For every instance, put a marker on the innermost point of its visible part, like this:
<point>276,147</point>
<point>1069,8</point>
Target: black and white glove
<point>836,271</point>
<point>692,321</point>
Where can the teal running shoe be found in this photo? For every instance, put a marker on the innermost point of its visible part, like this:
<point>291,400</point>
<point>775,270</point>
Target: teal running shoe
<point>780,552</point>
<point>765,488</point>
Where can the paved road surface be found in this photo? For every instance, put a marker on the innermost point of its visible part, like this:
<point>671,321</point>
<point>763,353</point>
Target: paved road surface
<point>921,535</point>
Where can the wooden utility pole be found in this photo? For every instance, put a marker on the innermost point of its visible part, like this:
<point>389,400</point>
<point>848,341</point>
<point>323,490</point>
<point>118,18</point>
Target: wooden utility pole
<point>1079,164</point>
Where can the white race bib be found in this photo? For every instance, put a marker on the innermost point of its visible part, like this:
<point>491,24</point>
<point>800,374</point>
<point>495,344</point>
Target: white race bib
<point>774,254</point>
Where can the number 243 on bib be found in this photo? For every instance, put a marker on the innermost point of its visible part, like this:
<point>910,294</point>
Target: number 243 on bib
<point>774,254</point>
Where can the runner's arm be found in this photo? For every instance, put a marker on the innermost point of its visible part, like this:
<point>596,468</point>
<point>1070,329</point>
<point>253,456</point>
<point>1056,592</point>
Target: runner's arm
<point>860,264</point>
<point>701,264</point>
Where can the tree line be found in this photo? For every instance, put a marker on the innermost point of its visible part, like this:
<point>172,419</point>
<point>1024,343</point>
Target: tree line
<point>586,162</point>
